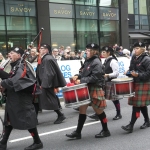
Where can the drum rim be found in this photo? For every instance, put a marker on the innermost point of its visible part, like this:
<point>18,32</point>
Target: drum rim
<point>74,87</point>
<point>121,81</point>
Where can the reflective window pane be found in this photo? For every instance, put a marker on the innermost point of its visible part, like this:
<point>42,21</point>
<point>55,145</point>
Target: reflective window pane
<point>2,23</point>
<point>86,12</point>
<point>136,7</point>
<point>3,43</point>
<point>130,7</point>
<point>87,32</point>
<point>62,1</point>
<point>1,7</point>
<point>86,2</point>
<point>109,32</point>
<point>109,13</point>
<point>143,7</point>
<point>20,8</point>
<point>137,19</point>
<point>61,10</point>
<point>21,30</point>
<point>143,20</point>
<point>62,32</point>
<point>108,3</point>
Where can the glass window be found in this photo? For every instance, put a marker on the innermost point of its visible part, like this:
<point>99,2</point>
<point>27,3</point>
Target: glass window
<point>130,7</point>
<point>62,32</point>
<point>62,1</point>
<point>109,32</point>
<point>2,23</point>
<point>109,13</point>
<point>3,43</point>
<point>131,19</point>
<point>86,2</point>
<point>20,8</point>
<point>136,7</point>
<point>108,3</point>
<point>61,10</point>
<point>87,32</point>
<point>21,30</point>
<point>86,12</point>
<point>1,7</point>
<point>137,19</point>
<point>143,7</point>
<point>143,20</point>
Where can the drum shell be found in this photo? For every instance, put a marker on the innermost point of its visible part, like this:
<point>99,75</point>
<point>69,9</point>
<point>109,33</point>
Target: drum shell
<point>76,96</point>
<point>123,88</point>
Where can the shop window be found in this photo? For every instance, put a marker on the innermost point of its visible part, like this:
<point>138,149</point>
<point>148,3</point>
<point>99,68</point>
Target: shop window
<point>108,3</point>
<point>62,1</point>
<point>130,7</point>
<point>62,32</point>
<point>21,30</point>
<point>109,32</point>
<point>20,8</point>
<point>143,7</point>
<point>87,32</point>
<point>85,2</point>
<point>3,43</point>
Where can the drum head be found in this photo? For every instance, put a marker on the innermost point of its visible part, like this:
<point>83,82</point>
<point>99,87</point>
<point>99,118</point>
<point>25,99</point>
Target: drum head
<point>122,80</point>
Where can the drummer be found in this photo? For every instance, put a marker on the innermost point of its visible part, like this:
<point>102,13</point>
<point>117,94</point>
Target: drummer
<point>111,72</point>
<point>140,71</point>
<point>93,75</point>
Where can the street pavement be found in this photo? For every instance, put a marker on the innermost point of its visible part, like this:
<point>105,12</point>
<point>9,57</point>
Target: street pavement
<point>53,136</point>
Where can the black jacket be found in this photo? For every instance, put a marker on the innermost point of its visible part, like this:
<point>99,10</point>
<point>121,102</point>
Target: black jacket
<point>142,66</point>
<point>92,73</point>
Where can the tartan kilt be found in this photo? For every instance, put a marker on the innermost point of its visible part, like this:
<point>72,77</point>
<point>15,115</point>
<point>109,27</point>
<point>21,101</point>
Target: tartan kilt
<point>109,91</point>
<point>97,97</point>
<point>142,95</point>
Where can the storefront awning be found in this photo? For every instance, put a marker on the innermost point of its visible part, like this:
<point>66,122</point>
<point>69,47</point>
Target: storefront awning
<point>138,36</point>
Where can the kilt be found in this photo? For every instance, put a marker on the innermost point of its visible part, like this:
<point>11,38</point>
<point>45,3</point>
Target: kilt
<point>97,97</point>
<point>142,95</point>
<point>109,91</point>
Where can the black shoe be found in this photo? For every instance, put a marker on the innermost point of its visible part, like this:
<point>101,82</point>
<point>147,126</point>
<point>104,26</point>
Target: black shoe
<point>145,125</point>
<point>128,128</point>
<point>103,134</point>
<point>77,109</point>
<point>94,116</point>
<point>117,117</point>
<point>34,146</point>
<point>74,134</point>
<point>3,146</point>
<point>60,119</point>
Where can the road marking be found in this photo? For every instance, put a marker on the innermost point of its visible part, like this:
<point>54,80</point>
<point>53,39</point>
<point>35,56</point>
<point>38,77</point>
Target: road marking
<point>51,132</point>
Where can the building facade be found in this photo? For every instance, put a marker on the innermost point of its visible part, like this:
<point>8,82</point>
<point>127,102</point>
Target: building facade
<point>72,23</point>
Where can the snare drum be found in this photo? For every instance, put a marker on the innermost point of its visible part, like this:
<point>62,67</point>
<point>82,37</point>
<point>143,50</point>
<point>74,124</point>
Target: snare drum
<point>123,87</point>
<point>76,95</point>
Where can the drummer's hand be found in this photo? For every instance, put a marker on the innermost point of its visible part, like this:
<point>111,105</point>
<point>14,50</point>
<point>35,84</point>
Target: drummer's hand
<point>125,72</point>
<point>77,82</point>
<point>134,74</point>
<point>75,78</point>
<point>106,75</point>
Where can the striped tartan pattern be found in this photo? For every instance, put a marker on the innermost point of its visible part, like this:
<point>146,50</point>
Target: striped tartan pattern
<point>97,97</point>
<point>109,91</point>
<point>142,95</point>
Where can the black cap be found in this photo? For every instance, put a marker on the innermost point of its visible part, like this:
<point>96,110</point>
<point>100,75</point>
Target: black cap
<point>46,46</point>
<point>107,49</point>
<point>93,46</point>
<point>17,50</point>
<point>139,44</point>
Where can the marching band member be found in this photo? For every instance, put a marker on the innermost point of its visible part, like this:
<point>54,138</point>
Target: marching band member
<point>140,71</point>
<point>50,77</point>
<point>111,72</point>
<point>19,110</point>
<point>93,75</point>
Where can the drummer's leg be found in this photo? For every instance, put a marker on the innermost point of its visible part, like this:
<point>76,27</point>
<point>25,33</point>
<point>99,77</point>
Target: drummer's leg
<point>117,106</point>
<point>135,115</point>
<point>102,117</point>
<point>81,120</point>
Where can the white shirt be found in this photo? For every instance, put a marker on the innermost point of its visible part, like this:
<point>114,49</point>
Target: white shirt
<point>115,68</point>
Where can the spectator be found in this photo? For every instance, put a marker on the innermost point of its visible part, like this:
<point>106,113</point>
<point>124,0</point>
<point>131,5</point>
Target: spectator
<point>73,56</point>
<point>66,55</point>
<point>33,55</point>
<point>55,53</point>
